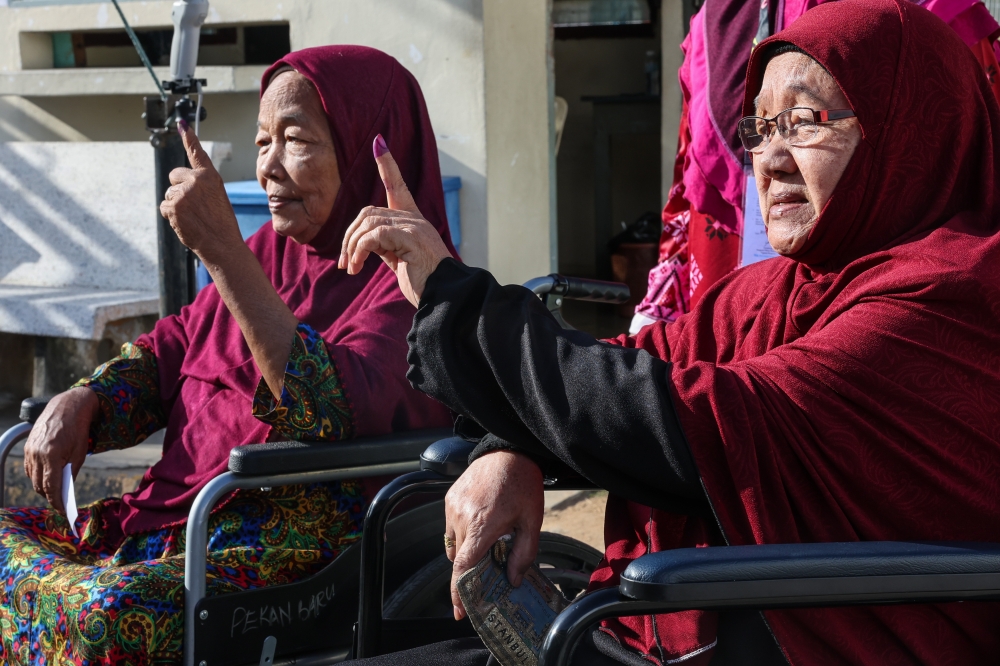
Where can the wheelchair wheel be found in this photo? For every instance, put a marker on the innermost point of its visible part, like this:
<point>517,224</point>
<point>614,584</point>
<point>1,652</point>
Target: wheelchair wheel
<point>567,562</point>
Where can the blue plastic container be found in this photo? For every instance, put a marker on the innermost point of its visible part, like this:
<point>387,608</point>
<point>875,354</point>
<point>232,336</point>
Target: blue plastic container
<point>249,203</point>
<point>452,185</point>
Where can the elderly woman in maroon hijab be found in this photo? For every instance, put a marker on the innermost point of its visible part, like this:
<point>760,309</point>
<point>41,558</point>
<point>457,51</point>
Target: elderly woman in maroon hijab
<point>848,390</point>
<point>283,346</point>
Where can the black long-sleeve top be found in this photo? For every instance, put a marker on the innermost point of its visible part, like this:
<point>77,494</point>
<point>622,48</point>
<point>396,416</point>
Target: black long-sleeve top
<point>496,355</point>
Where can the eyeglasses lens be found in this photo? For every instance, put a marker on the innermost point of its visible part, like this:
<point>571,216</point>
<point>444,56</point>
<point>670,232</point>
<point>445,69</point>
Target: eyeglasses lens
<point>796,126</point>
<point>752,132</point>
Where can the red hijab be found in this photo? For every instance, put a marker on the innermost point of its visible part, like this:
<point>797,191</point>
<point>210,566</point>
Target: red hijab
<point>207,375</point>
<point>852,392</point>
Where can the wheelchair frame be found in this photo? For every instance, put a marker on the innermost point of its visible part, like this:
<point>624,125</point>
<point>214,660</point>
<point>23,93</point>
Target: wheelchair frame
<point>721,578</point>
<point>440,466</point>
<point>269,465</point>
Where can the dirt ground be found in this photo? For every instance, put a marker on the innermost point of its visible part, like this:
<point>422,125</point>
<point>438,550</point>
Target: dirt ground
<point>580,516</point>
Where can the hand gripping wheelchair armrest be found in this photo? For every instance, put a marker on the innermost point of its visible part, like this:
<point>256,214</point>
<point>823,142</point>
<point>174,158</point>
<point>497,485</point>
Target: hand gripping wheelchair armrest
<point>783,576</point>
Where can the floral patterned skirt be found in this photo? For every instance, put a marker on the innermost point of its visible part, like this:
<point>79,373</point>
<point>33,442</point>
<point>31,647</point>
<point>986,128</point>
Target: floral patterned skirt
<point>93,601</point>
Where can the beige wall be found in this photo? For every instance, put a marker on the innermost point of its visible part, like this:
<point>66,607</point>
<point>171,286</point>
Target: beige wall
<point>440,41</point>
<point>486,68</point>
<point>672,33</point>
<point>520,139</point>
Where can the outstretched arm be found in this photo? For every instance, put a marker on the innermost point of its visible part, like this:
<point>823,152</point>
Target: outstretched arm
<point>199,211</point>
<point>494,353</point>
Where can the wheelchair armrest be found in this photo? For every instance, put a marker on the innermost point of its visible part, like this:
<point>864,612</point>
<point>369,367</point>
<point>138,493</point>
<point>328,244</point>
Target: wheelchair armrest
<point>815,574</point>
<point>294,457</point>
<point>449,457</point>
<point>32,408</point>
<point>782,576</point>
<point>579,289</point>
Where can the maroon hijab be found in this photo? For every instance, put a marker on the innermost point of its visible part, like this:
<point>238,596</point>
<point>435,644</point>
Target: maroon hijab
<point>852,392</point>
<point>207,375</point>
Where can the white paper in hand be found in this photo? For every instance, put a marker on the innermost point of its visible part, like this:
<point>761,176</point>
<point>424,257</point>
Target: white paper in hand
<point>69,498</point>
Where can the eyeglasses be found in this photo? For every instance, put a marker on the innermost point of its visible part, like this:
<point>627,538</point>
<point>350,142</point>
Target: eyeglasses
<point>798,126</point>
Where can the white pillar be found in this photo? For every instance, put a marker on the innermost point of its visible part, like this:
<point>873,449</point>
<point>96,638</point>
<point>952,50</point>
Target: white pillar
<point>520,138</point>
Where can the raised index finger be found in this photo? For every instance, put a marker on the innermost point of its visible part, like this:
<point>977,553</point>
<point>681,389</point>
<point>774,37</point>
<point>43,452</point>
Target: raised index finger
<point>396,192</point>
<point>196,154</point>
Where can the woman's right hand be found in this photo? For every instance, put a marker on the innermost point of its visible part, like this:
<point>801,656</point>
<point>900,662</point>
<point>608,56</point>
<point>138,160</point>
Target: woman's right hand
<point>500,493</point>
<point>399,234</point>
<point>59,436</point>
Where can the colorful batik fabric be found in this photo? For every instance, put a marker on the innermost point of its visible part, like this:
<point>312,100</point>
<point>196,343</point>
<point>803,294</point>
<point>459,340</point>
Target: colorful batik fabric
<point>103,600</point>
<point>128,391</point>
<point>313,406</point>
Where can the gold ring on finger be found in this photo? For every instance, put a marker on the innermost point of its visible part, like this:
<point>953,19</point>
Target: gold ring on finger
<point>449,542</point>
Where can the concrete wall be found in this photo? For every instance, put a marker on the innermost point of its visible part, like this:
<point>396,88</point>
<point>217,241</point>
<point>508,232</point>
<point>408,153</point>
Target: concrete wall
<point>440,41</point>
<point>520,139</point>
<point>672,33</point>
<point>486,67</point>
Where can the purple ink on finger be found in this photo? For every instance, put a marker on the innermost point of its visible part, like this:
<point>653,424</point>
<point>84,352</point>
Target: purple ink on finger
<point>378,147</point>
<point>182,124</point>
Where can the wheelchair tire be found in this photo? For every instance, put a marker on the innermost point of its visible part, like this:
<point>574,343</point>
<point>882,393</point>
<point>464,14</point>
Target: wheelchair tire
<point>566,561</point>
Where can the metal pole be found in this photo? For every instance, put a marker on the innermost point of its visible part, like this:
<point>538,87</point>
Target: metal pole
<point>177,271</point>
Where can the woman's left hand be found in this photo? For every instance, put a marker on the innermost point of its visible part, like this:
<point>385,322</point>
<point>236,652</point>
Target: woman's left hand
<point>197,206</point>
<point>407,242</point>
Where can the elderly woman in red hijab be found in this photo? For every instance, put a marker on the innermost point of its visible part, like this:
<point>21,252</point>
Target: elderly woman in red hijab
<point>283,346</point>
<point>847,390</point>
<point>710,222</point>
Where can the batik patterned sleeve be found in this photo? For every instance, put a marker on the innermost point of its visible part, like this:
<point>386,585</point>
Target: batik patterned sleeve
<point>313,406</point>
<point>128,390</point>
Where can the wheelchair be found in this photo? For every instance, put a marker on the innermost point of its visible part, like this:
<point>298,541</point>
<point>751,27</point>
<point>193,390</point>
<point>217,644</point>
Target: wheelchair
<point>722,578</point>
<point>312,621</point>
<point>726,579</point>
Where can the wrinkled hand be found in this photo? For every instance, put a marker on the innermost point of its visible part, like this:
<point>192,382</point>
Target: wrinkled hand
<point>500,493</point>
<point>59,436</point>
<point>408,243</point>
<point>196,204</point>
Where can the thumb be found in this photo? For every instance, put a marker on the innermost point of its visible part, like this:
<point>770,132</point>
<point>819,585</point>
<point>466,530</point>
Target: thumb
<point>396,190</point>
<point>196,154</point>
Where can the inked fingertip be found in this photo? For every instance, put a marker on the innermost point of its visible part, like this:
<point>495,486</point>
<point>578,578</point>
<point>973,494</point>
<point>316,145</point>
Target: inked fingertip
<point>182,124</point>
<point>379,148</point>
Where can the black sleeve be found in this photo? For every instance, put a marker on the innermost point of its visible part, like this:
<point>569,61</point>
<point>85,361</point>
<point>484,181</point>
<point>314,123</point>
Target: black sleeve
<point>496,355</point>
